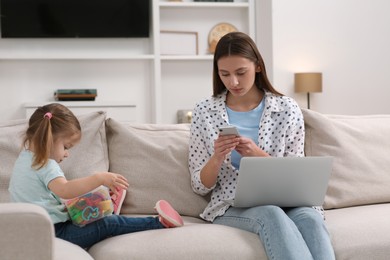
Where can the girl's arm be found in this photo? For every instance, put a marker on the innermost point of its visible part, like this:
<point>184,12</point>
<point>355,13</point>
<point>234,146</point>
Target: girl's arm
<point>69,189</point>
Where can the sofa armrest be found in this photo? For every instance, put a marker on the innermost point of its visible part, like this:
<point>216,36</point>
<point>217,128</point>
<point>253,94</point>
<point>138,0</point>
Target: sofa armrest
<point>26,232</point>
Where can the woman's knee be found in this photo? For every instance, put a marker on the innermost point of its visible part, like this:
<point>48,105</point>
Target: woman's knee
<point>268,213</point>
<point>252,219</point>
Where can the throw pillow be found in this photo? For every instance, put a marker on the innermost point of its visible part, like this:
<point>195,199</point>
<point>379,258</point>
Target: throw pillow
<point>360,146</point>
<point>89,156</point>
<point>11,135</point>
<point>154,159</point>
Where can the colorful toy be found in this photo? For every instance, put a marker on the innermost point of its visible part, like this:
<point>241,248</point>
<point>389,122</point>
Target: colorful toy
<point>90,207</point>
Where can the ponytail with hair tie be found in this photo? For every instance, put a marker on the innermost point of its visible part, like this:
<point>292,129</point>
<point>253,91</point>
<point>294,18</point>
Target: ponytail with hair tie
<point>48,115</point>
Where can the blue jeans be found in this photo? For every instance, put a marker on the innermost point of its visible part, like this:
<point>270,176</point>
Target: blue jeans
<point>286,233</point>
<point>101,229</point>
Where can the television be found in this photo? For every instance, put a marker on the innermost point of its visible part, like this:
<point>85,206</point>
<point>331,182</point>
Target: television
<point>75,18</point>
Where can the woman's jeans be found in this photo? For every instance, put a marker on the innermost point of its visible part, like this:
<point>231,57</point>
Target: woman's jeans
<point>287,233</point>
<point>101,229</point>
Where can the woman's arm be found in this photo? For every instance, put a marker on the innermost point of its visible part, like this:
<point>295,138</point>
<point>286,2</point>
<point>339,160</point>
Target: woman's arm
<point>223,145</point>
<point>295,134</point>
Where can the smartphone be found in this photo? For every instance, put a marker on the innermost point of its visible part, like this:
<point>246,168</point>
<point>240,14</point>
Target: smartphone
<point>229,130</point>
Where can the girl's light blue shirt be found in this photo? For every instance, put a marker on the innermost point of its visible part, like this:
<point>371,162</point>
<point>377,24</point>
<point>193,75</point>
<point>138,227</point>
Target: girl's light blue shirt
<point>30,185</point>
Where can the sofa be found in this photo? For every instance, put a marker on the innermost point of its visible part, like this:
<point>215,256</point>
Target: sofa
<point>154,158</point>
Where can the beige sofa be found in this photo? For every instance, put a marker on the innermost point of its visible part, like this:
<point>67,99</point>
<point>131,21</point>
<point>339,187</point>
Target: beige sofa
<point>154,159</point>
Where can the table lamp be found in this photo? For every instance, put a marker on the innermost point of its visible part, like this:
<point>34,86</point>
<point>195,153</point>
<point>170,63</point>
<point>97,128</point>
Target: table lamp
<point>308,82</point>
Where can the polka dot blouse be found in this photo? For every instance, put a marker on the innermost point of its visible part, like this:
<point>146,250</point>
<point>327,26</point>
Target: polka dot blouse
<point>281,134</point>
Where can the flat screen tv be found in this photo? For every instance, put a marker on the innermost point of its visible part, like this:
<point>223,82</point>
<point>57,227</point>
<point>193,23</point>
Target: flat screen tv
<point>74,18</point>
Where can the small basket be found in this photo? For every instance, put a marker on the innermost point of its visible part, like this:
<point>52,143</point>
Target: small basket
<point>90,207</point>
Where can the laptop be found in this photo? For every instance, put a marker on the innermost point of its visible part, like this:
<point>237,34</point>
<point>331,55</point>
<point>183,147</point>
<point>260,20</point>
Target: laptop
<point>282,181</point>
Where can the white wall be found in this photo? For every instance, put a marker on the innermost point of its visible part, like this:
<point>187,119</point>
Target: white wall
<point>31,70</point>
<point>348,41</point>
<point>36,81</point>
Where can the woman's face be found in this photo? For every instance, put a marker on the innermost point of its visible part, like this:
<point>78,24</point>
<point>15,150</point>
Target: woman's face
<point>237,74</point>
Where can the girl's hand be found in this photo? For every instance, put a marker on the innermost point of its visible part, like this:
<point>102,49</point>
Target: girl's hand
<point>247,147</point>
<point>223,145</point>
<point>69,189</point>
<point>113,181</point>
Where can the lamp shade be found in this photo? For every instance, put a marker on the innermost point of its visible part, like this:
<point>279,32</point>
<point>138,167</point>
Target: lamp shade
<point>308,82</point>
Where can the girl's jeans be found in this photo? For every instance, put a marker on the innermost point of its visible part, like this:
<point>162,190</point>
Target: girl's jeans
<point>287,233</point>
<point>109,226</point>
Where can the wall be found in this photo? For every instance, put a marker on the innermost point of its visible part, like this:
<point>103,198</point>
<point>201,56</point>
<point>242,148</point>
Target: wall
<point>348,41</point>
<point>31,70</point>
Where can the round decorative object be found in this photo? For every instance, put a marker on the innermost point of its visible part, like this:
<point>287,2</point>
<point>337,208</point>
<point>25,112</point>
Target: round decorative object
<point>217,32</point>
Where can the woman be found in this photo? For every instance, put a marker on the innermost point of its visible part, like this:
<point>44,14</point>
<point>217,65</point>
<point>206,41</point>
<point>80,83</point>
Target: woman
<point>270,124</point>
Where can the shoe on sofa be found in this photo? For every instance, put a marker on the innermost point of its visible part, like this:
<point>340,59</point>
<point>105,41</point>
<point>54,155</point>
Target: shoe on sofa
<point>117,200</point>
<point>168,216</point>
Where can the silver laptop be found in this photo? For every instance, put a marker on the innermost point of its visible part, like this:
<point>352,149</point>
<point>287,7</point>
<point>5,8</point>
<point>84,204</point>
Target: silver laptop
<point>282,181</point>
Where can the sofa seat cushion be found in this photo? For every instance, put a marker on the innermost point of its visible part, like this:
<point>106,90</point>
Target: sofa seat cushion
<point>64,250</point>
<point>195,240</point>
<point>360,233</point>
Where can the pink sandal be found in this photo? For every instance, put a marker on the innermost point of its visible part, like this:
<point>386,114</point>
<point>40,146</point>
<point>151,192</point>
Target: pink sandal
<point>117,200</point>
<point>168,216</point>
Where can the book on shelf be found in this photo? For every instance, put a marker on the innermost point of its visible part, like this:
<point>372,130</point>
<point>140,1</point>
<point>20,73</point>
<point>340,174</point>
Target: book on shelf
<point>75,94</point>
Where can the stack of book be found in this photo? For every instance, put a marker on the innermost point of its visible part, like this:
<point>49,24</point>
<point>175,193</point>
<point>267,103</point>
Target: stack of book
<point>75,94</point>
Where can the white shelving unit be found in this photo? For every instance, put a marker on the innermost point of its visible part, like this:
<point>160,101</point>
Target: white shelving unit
<point>124,112</point>
<point>191,75</point>
<point>159,84</point>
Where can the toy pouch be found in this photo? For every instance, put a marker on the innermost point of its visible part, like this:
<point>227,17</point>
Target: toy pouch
<point>90,207</point>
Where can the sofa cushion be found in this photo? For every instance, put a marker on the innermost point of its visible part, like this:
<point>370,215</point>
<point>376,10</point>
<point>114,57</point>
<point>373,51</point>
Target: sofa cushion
<point>195,240</point>
<point>360,146</point>
<point>10,144</point>
<point>64,250</point>
<point>360,233</point>
<point>154,159</point>
<point>90,155</point>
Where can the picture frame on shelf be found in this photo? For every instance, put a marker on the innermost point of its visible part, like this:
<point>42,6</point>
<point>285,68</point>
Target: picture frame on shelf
<point>179,42</point>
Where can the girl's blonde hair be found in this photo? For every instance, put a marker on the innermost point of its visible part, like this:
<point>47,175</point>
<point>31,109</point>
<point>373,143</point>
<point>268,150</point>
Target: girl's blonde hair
<point>46,124</point>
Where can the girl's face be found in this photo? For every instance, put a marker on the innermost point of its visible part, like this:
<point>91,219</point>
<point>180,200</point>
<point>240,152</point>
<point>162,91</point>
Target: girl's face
<point>237,74</point>
<point>61,146</point>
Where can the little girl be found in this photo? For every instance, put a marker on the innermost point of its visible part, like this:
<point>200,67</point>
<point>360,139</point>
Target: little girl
<point>37,178</point>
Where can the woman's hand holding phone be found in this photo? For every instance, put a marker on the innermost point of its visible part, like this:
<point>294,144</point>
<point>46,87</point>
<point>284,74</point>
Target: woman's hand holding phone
<point>229,130</point>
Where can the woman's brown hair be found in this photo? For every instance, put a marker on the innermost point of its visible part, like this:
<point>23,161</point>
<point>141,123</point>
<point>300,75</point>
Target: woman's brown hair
<point>45,125</point>
<point>240,44</point>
